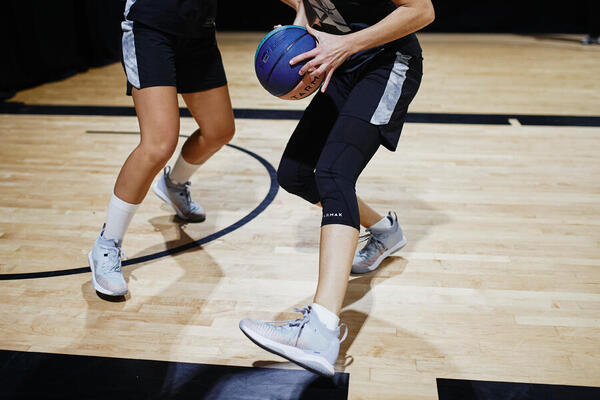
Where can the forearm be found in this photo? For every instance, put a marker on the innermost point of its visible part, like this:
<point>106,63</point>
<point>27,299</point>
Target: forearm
<point>292,3</point>
<point>301,17</point>
<point>409,17</point>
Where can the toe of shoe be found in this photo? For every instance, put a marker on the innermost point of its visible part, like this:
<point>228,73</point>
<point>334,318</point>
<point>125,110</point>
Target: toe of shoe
<point>360,267</point>
<point>196,217</point>
<point>113,287</point>
<point>248,324</point>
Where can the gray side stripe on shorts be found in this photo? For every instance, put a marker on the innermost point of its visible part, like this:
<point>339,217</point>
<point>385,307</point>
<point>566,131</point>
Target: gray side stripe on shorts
<point>392,92</point>
<point>128,6</point>
<point>129,56</point>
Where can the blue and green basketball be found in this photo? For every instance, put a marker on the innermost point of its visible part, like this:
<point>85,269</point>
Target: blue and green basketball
<point>272,63</point>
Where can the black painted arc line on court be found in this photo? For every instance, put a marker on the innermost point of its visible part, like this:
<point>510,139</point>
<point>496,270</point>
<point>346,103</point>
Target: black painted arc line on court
<point>273,188</point>
<point>248,113</point>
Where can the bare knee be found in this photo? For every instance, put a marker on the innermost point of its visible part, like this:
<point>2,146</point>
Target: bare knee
<point>220,136</point>
<point>158,153</point>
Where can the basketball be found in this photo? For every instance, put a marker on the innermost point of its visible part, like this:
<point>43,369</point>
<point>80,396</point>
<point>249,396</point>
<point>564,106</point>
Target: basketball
<point>272,63</point>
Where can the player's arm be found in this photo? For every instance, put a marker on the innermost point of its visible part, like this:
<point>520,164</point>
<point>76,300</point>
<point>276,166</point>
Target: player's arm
<point>333,50</point>
<point>409,17</point>
<point>301,17</point>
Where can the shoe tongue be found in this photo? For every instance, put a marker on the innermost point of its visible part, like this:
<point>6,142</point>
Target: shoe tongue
<point>113,242</point>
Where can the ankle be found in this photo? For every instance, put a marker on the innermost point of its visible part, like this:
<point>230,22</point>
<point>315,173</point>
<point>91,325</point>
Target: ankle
<point>327,317</point>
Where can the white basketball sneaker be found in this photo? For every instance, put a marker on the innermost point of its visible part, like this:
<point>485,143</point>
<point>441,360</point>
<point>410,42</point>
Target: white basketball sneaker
<point>105,262</point>
<point>178,196</point>
<point>305,341</point>
<point>383,239</point>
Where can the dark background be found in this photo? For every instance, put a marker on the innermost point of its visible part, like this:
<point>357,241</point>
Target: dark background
<point>45,40</point>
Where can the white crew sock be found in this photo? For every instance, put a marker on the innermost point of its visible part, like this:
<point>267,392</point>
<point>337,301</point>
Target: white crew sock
<point>182,170</point>
<point>329,319</point>
<point>118,218</point>
<point>382,224</point>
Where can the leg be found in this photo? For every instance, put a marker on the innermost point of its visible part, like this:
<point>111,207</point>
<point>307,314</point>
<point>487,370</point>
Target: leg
<point>368,216</point>
<point>202,82</point>
<point>336,252</point>
<point>214,115</point>
<point>350,146</point>
<point>313,340</point>
<point>296,168</point>
<point>212,111</point>
<point>158,116</point>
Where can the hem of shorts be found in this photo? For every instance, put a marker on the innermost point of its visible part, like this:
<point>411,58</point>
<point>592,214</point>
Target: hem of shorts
<point>207,86</point>
<point>384,142</point>
<point>202,88</point>
<point>323,223</point>
<point>154,84</point>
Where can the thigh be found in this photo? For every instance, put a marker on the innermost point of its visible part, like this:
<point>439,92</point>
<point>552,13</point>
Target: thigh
<point>211,109</point>
<point>309,136</point>
<point>349,148</point>
<point>158,115</point>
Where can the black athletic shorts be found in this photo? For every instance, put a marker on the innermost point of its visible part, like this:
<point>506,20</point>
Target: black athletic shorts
<point>155,58</point>
<point>378,92</point>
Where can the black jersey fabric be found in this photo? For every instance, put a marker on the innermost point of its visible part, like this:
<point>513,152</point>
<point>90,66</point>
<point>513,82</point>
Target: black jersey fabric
<point>191,18</point>
<point>342,17</point>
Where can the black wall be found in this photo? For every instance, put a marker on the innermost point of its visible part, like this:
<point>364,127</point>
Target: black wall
<point>517,16</point>
<point>45,40</point>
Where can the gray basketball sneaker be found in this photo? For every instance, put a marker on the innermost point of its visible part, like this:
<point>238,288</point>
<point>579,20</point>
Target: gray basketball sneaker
<point>381,243</point>
<point>304,341</point>
<point>105,262</point>
<point>178,196</point>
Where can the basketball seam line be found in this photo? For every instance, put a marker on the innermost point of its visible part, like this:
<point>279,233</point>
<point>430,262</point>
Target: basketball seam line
<point>279,59</point>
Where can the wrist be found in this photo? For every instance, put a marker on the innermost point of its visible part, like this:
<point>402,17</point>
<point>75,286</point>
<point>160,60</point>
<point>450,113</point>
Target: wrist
<point>351,45</point>
<point>300,19</point>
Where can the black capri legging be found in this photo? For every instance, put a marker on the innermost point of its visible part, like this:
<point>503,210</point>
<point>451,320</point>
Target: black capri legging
<point>342,129</point>
<point>349,147</point>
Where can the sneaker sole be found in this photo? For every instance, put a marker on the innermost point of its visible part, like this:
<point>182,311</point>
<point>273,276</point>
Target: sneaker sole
<point>161,195</point>
<point>316,364</point>
<point>363,270</point>
<point>97,286</point>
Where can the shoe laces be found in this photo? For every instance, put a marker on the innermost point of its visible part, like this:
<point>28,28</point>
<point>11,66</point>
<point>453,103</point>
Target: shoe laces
<point>305,311</point>
<point>372,241</point>
<point>184,190</point>
<point>186,193</point>
<point>115,255</point>
<point>301,322</point>
<point>294,323</point>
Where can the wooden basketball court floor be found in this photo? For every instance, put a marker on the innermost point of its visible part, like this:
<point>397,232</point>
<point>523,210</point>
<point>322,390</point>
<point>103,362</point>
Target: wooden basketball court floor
<point>500,280</point>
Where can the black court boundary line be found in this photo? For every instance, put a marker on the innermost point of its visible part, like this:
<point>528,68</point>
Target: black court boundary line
<point>36,375</point>
<point>273,188</point>
<point>463,389</point>
<point>248,113</point>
